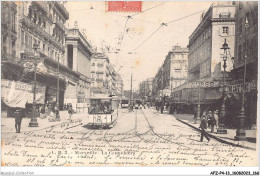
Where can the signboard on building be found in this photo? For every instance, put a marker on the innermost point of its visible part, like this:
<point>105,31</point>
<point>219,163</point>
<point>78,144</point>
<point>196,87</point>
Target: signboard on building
<point>238,88</point>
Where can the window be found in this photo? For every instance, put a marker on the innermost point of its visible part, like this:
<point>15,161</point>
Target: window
<point>225,30</point>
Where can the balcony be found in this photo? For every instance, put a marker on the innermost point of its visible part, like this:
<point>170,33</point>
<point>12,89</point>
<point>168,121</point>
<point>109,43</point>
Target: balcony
<point>9,57</point>
<point>62,9</point>
<point>59,24</point>
<point>42,5</point>
<point>40,31</point>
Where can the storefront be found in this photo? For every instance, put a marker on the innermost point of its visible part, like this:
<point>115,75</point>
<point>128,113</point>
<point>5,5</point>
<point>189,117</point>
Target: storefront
<point>15,94</point>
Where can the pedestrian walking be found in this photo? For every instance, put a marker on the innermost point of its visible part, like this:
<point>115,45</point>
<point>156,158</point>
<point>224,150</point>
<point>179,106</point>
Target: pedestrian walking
<point>195,112</point>
<point>162,107</point>
<point>203,126</point>
<point>216,116</point>
<point>212,121</point>
<point>70,111</point>
<point>18,119</point>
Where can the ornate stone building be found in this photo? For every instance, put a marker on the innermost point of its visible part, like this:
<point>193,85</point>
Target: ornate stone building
<point>78,58</point>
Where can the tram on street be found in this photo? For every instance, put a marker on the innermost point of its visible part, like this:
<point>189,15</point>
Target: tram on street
<point>124,103</point>
<point>103,111</point>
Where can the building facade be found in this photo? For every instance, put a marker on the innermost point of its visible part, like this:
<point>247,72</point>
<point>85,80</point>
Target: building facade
<point>246,46</point>
<point>78,58</point>
<point>100,73</point>
<point>145,88</point>
<point>42,23</point>
<point>119,86</point>
<point>205,62</point>
<point>38,24</point>
<point>172,73</point>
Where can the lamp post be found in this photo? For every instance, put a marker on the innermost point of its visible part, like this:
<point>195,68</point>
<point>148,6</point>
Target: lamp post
<point>241,133</point>
<point>58,92</point>
<point>222,129</point>
<point>197,119</point>
<point>33,122</point>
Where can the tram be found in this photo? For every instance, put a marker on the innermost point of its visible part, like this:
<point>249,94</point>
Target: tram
<point>124,103</point>
<point>102,111</point>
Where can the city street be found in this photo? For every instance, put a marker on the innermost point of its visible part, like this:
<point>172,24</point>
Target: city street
<point>140,138</point>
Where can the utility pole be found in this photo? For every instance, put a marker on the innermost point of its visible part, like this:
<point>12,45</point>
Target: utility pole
<point>162,103</point>
<point>130,103</point>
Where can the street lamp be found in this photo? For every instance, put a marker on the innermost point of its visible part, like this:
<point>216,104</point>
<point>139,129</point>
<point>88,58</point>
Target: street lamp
<point>33,122</point>
<point>241,133</point>
<point>222,129</point>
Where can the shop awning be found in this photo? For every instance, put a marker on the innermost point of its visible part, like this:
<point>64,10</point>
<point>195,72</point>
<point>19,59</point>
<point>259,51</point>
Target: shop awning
<point>17,94</point>
<point>20,98</point>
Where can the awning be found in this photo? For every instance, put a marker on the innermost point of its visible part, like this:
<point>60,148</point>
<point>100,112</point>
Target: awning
<point>20,98</point>
<point>17,94</point>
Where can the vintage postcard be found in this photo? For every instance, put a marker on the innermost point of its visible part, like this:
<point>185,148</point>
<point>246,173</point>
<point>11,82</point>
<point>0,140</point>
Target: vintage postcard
<point>129,83</point>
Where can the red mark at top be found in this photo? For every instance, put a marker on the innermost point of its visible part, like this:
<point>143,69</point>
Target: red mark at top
<point>124,6</point>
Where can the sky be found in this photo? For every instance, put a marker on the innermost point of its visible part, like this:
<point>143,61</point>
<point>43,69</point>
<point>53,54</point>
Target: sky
<point>144,44</point>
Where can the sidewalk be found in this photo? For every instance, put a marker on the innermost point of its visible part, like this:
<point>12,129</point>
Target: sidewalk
<point>225,138</point>
<point>8,124</point>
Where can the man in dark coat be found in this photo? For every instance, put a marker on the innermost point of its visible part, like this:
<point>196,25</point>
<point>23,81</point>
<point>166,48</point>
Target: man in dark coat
<point>203,126</point>
<point>18,119</point>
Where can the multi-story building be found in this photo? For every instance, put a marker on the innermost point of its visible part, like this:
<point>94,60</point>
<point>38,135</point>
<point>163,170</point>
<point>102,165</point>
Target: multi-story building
<point>37,24</point>
<point>205,63</point>
<point>78,58</point>
<point>206,40</point>
<point>246,45</point>
<point>145,88</point>
<point>119,86</point>
<point>205,58</point>
<point>10,71</point>
<point>173,72</point>
<point>8,31</point>
<point>177,63</point>
<point>100,73</point>
<point>42,23</point>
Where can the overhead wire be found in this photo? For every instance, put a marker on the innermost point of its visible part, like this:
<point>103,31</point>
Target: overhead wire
<point>166,24</point>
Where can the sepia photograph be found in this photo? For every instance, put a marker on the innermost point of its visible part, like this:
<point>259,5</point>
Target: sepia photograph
<point>129,84</point>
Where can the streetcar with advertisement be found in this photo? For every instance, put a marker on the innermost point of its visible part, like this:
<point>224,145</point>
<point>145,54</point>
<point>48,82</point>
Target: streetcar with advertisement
<point>103,111</point>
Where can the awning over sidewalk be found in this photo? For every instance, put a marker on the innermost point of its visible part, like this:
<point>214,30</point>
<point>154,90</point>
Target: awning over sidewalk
<point>17,94</point>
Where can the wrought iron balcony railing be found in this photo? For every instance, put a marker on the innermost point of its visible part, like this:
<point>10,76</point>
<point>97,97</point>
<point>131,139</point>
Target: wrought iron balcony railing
<point>40,31</point>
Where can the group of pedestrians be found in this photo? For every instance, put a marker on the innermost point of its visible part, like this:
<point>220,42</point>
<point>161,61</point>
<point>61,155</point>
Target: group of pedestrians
<point>208,119</point>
